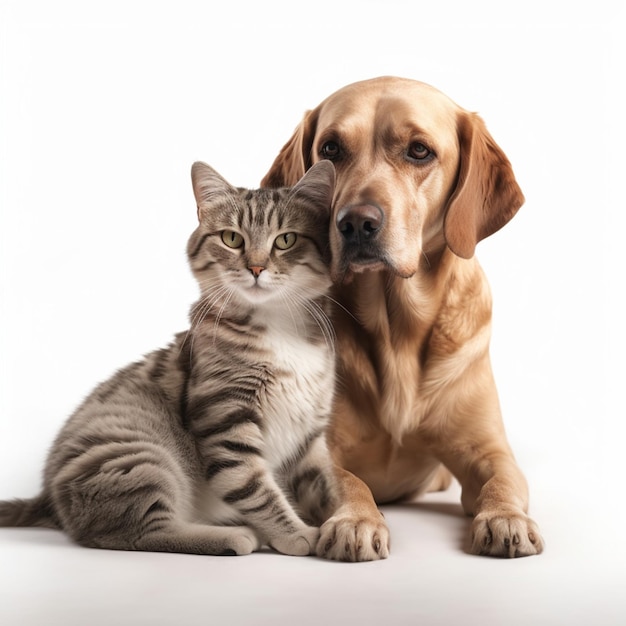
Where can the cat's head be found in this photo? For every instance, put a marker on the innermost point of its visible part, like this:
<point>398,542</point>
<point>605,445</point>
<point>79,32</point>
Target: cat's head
<point>264,244</point>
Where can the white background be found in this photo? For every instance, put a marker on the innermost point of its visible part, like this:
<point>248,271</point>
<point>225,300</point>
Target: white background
<point>104,107</point>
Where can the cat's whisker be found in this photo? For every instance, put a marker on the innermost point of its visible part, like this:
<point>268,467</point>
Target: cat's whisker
<point>320,317</point>
<point>229,294</point>
<point>285,295</point>
<point>341,306</point>
<point>202,309</point>
<point>210,300</point>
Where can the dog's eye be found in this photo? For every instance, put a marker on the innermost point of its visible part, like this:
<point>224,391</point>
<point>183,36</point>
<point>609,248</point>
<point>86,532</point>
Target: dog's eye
<point>330,150</point>
<point>418,151</point>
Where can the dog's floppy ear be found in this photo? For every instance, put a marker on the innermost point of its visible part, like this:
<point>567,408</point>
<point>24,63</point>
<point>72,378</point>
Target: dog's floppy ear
<point>295,157</point>
<point>486,196</point>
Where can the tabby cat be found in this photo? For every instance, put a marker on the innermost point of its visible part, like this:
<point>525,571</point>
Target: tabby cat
<point>215,444</point>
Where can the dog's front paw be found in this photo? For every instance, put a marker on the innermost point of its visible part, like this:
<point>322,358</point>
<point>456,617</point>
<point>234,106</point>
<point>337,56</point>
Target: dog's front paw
<point>505,534</point>
<point>349,538</point>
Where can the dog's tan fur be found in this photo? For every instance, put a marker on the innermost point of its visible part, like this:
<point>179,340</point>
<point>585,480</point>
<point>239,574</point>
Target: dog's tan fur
<point>416,391</point>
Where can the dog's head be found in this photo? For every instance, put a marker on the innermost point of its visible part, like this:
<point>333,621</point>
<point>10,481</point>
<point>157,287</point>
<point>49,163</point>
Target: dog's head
<point>415,172</point>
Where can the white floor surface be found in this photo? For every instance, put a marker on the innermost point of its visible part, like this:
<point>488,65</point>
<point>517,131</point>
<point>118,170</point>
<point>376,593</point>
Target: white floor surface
<point>428,579</point>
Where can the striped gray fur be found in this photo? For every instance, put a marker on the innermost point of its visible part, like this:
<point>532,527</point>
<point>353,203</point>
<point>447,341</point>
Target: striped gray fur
<point>215,444</point>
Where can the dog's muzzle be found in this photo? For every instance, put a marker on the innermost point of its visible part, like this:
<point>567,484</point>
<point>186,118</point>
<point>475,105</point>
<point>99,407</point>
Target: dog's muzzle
<point>360,227</point>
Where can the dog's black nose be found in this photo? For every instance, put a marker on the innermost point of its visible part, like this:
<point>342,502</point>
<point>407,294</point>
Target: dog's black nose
<point>359,223</point>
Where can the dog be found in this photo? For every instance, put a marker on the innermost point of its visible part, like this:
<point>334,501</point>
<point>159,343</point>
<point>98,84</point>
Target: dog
<point>420,181</point>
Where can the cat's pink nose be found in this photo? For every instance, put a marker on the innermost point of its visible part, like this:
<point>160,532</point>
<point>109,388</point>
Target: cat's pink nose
<point>256,270</point>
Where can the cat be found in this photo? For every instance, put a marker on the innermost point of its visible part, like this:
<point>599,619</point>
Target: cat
<point>215,444</point>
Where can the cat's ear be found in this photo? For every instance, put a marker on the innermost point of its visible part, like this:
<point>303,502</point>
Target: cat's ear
<point>207,183</point>
<point>318,184</point>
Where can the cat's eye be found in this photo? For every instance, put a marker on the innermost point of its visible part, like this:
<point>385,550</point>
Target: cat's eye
<point>232,239</point>
<point>285,241</point>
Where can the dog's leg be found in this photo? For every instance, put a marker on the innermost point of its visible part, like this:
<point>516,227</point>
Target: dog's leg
<point>494,492</point>
<point>357,530</point>
<point>501,526</point>
<point>472,444</point>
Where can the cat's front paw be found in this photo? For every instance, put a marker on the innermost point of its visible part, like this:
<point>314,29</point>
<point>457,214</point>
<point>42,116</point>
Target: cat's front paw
<point>300,543</point>
<point>350,538</point>
<point>242,541</point>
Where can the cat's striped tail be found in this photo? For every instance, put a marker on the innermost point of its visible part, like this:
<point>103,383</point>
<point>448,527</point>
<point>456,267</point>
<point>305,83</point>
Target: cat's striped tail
<point>32,512</point>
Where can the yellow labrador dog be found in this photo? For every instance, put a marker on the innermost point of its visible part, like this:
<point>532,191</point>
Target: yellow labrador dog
<point>419,182</point>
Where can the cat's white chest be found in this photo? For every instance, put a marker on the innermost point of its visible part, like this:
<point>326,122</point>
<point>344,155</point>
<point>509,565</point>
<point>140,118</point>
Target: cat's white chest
<point>297,401</point>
